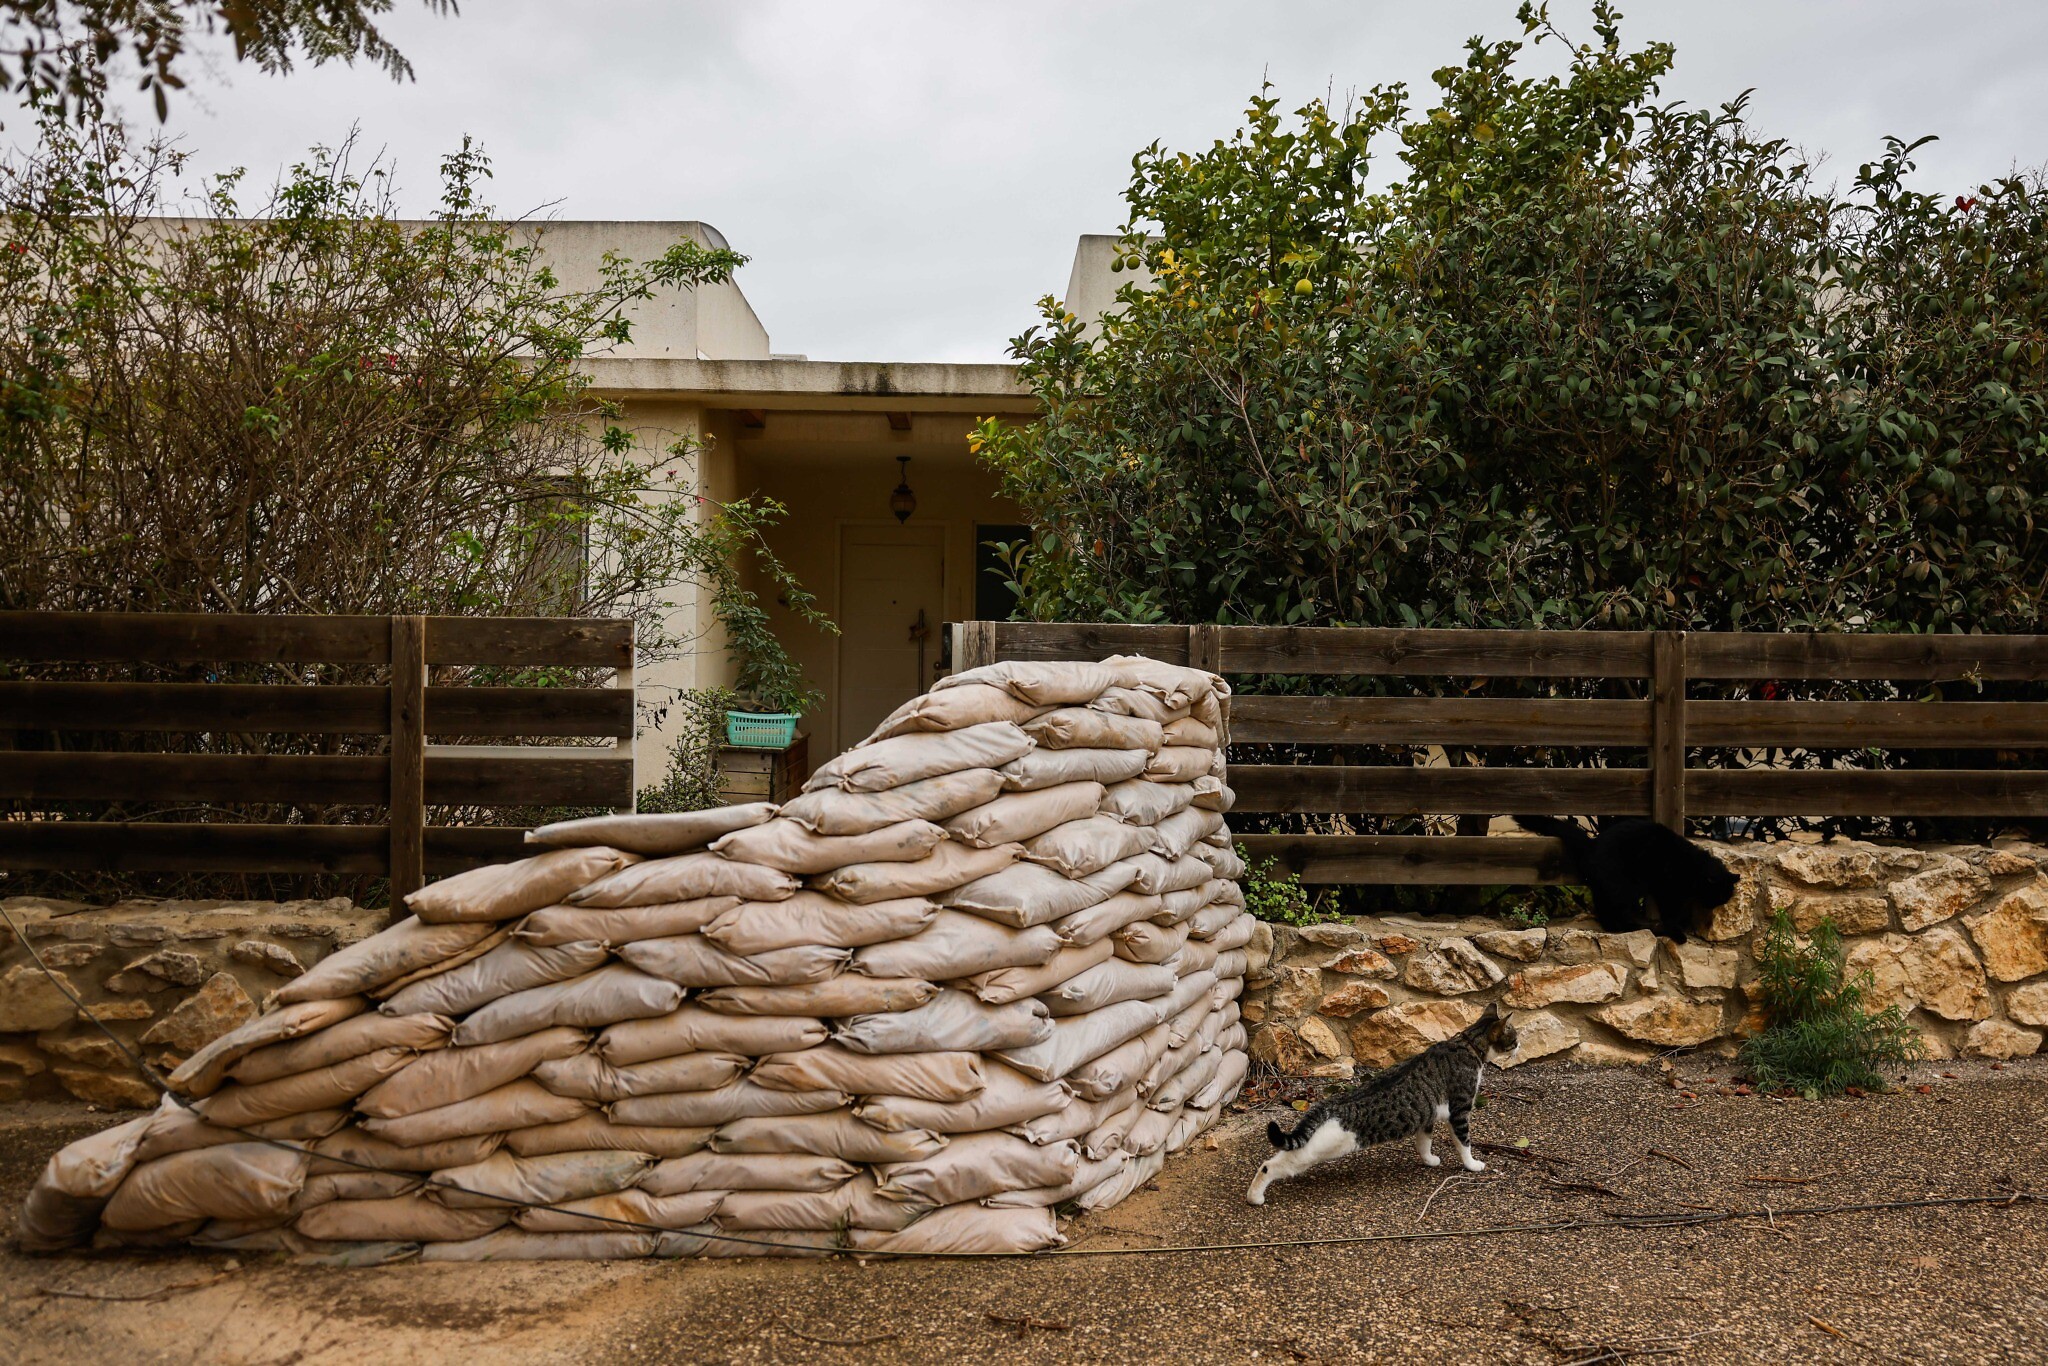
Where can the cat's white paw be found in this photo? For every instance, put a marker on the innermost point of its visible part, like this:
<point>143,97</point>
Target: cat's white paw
<point>1473,1164</point>
<point>1255,1196</point>
<point>1431,1160</point>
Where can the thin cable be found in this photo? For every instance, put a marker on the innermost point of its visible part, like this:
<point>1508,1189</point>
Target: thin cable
<point>1647,1221</point>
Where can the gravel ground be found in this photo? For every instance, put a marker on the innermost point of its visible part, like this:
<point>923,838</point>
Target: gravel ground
<point>1958,1283</point>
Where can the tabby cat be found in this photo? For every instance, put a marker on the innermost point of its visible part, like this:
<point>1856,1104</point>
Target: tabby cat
<point>1404,1101</point>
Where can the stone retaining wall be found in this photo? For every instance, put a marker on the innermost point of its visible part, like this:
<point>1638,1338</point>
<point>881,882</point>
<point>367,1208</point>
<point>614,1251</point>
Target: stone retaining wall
<point>167,976</point>
<point>1956,935</point>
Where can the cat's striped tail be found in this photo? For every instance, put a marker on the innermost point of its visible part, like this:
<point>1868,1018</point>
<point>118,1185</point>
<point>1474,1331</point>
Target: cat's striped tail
<point>1286,1142</point>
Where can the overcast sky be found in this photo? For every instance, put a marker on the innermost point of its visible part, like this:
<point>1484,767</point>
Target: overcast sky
<point>909,178</point>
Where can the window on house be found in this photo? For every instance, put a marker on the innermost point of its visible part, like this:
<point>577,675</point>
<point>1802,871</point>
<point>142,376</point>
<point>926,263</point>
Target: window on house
<point>994,600</point>
<point>560,547</point>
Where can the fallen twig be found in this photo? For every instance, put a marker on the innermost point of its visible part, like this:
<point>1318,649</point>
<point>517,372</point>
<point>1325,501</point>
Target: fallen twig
<point>1594,1186</point>
<point>161,1293</point>
<point>1673,1159</point>
<point>1024,1323</point>
<point>836,1342</point>
<point>1783,1180</point>
<point>1439,1191</point>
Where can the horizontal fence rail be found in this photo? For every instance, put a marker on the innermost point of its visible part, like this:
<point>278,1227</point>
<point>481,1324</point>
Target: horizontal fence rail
<point>1661,727</point>
<point>410,774</point>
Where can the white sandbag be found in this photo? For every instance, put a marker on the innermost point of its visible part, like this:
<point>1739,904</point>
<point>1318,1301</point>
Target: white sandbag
<point>456,1074</point>
<point>1179,907</point>
<point>1105,984</point>
<point>1182,831</point>
<point>1191,1123</point>
<point>318,1190</point>
<point>1231,963</point>
<point>1231,1068</point>
<point>507,1179</point>
<point>691,960</point>
<point>977,1165</point>
<point>653,836</point>
<point>1179,764</point>
<point>338,1043</point>
<point>63,1206</point>
<point>515,1105</point>
<point>695,1029</point>
<point>956,945</point>
<point>175,1129</point>
<point>399,1218</point>
<point>1105,918</point>
<point>1236,933</point>
<point>597,1213</point>
<point>500,932</point>
<point>789,846</point>
<point>353,1150</point>
<point>1009,1098</point>
<point>1195,956</point>
<point>1076,1040</point>
<point>853,1205</point>
<point>1177,685</point>
<point>1044,684</point>
<point>950,1020</point>
<point>830,811</point>
<point>1014,984</point>
<point>557,925</point>
<point>1108,1136</point>
<point>737,1100</point>
<point>1226,990</point>
<point>966,1230</point>
<point>203,1073</point>
<point>1076,1119</point>
<point>1119,1070</point>
<point>950,865</point>
<point>1173,1092</point>
<point>1189,731</point>
<point>589,1077</point>
<point>955,708</point>
<point>1213,794</point>
<point>812,918</point>
<point>686,877</point>
<point>592,1131</point>
<point>1027,894</point>
<point>708,1242</point>
<point>1086,1177</point>
<point>1146,942</point>
<point>709,1171</point>
<point>517,1245</point>
<point>505,891</point>
<point>1144,802</point>
<point>940,1076</point>
<point>1211,920</point>
<point>510,967</point>
<point>1159,876</point>
<point>1087,728</point>
<point>1188,1023</point>
<point>1224,863</point>
<point>913,757</point>
<point>612,993</point>
<point>228,1181</point>
<point>1052,767</point>
<point>1150,1133</point>
<point>409,945</point>
<point>1114,1191</point>
<point>1134,702</point>
<point>835,1133</point>
<point>1023,816</point>
<point>321,1088</point>
<point>846,994</point>
<point>1081,847</point>
<point>1190,990</point>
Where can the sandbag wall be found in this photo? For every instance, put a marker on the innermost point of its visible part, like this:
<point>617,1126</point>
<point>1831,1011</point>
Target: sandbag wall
<point>984,968</point>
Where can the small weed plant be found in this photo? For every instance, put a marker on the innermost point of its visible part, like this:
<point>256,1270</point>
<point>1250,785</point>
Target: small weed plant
<point>1279,897</point>
<point>1820,1041</point>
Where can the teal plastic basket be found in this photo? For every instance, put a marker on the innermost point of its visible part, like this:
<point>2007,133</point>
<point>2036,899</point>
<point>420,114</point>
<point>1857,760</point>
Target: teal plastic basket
<point>760,729</point>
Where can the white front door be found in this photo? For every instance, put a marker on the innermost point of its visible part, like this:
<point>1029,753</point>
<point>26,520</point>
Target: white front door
<point>892,581</point>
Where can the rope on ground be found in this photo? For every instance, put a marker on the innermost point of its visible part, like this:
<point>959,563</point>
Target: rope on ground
<point>1644,1221</point>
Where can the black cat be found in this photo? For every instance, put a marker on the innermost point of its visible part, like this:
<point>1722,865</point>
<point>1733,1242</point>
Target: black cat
<point>1630,859</point>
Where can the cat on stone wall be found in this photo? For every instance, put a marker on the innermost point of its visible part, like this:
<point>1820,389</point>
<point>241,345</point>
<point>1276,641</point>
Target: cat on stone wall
<point>1631,861</point>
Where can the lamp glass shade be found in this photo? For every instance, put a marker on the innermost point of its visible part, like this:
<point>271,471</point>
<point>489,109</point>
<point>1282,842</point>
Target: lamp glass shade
<point>902,501</point>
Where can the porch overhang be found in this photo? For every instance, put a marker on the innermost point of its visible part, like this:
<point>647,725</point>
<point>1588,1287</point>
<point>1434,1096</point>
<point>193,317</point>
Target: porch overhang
<point>808,385</point>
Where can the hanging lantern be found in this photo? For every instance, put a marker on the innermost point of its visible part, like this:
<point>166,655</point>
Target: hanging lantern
<point>902,501</point>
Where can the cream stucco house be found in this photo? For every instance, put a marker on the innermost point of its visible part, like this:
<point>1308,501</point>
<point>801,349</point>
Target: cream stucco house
<point>825,439</point>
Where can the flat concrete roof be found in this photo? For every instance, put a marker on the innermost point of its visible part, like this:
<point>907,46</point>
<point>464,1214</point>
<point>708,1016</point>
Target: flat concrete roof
<point>875,386</point>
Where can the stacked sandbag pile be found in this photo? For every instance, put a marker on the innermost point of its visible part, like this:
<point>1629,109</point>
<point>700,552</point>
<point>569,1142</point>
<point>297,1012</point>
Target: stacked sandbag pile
<point>984,967</point>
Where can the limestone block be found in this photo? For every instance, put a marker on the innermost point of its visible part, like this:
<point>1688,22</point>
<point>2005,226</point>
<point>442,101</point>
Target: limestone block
<point>1667,1021</point>
<point>1844,863</point>
<point>1889,983</point>
<point>270,957</point>
<point>1635,946</point>
<point>92,1049</point>
<point>1394,945</point>
<point>1258,952</point>
<point>1320,1038</point>
<point>18,1063</point>
<point>133,1009</point>
<point>1944,975</point>
<point>2029,1004</point>
<point>1944,887</point>
<point>76,953</point>
<point>1601,1053</point>
<point>204,1016</point>
<point>1294,992</point>
<point>1361,963</point>
<point>1352,997</point>
<point>1997,1039</point>
<point>115,1090</point>
<point>1538,1034</point>
<point>1521,945</point>
<point>1552,983</point>
<point>2008,860</point>
<point>159,970</point>
<point>1700,966</point>
<point>2014,934</point>
<point>1387,1036</point>
<point>1451,968</point>
<point>1737,916</point>
<point>1570,944</point>
<point>1851,914</point>
<point>31,1002</point>
<point>1331,936</point>
<point>1281,1048</point>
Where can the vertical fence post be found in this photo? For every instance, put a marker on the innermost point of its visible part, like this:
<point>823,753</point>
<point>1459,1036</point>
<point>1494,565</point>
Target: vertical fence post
<point>1667,729</point>
<point>626,679</point>
<point>1205,648</point>
<point>408,758</point>
<point>977,645</point>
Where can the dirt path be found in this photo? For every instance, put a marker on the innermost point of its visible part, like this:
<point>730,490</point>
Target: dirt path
<point>1959,1284</point>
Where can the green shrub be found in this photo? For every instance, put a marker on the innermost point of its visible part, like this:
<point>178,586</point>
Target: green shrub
<point>1819,1039</point>
<point>1279,897</point>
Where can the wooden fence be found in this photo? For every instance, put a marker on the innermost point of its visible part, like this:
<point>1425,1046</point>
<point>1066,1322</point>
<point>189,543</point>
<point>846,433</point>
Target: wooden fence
<point>1662,721</point>
<point>409,774</point>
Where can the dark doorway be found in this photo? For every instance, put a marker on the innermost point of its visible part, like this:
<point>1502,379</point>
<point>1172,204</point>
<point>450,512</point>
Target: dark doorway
<point>993,598</point>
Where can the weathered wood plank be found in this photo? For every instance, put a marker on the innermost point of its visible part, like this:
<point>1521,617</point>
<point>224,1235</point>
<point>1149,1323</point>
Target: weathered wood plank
<point>1867,725</point>
<point>337,709</point>
<point>293,779</point>
<point>1088,640</point>
<point>1437,720</point>
<point>1873,792</point>
<point>455,848</point>
<point>161,846</point>
<point>1392,790</point>
<point>515,641</point>
<point>558,777</point>
<point>1438,860</point>
<point>561,712</point>
<point>408,819</point>
<point>193,637</point>
<point>1455,653</point>
<point>1743,654</point>
<point>1205,648</point>
<point>1667,728</point>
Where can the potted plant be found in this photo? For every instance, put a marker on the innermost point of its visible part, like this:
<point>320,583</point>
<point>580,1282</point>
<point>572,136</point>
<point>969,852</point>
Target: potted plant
<point>770,696</point>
